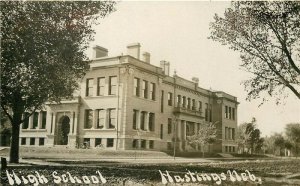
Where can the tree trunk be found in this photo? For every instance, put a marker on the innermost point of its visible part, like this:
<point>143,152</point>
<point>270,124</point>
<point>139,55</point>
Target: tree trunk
<point>14,145</point>
<point>15,133</point>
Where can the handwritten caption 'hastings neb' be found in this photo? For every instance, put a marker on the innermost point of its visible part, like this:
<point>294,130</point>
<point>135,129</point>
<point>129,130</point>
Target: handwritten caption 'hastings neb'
<point>194,177</point>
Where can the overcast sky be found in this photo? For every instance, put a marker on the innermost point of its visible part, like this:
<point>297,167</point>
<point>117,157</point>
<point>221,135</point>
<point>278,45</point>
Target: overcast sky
<point>177,32</point>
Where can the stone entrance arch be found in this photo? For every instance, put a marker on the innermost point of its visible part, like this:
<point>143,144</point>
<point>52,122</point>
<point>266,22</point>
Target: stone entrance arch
<point>62,131</point>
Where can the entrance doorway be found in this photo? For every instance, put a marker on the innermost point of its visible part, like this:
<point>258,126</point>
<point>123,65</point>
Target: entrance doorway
<point>62,131</point>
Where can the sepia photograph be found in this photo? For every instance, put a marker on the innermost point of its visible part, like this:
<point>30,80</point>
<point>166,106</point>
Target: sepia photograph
<point>136,93</point>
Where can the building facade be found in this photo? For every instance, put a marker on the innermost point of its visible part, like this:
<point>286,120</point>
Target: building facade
<point>124,102</point>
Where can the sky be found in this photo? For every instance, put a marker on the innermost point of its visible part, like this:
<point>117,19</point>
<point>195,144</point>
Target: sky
<point>178,31</point>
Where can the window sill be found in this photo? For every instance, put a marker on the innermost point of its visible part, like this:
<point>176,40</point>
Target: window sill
<point>34,130</point>
<point>92,129</point>
<point>95,97</point>
<point>140,130</point>
<point>142,98</point>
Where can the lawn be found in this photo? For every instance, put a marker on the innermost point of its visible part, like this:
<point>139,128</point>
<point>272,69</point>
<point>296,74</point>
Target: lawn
<point>271,172</point>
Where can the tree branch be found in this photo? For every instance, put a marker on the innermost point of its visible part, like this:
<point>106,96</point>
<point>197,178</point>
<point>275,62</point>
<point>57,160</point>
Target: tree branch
<point>284,47</point>
<point>7,114</point>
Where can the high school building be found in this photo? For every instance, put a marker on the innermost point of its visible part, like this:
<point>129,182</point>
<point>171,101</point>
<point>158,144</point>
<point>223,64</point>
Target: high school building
<point>125,102</point>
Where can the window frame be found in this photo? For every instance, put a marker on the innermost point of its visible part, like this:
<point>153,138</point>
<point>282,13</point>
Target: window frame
<point>88,117</point>
<point>100,86</point>
<point>110,118</point>
<point>111,85</point>
<point>89,87</point>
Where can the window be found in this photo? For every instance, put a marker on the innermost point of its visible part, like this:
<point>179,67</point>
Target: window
<point>35,120</point>
<point>32,141</point>
<point>152,91</point>
<point>162,102</point>
<point>134,122</point>
<point>145,89</point>
<point>100,86</point>
<point>134,143</point>
<point>151,121</point>
<point>112,118</point>
<point>143,114</point>
<point>229,112</point>
<point>110,142</point>
<point>151,144</point>
<point>178,100</point>
<point>98,142</point>
<point>169,125</point>
<point>143,144</point>
<point>89,87</point>
<point>136,83</point>
<point>42,141</point>
<point>193,104</point>
<point>170,98</point>
<point>190,129</point>
<point>101,119</point>
<point>26,121</point>
<point>233,133</point>
<point>184,101</point>
<point>210,113</point>
<point>206,112</point>
<point>88,119</point>
<point>112,85</point>
<point>200,105</point>
<point>169,146</point>
<point>233,113</point>
<point>226,111</point>
<point>23,141</point>
<point>189,103</point>
<point>161,131</point>
<point>226,132</point>
<point>44,119</point>
<point>86,142</point>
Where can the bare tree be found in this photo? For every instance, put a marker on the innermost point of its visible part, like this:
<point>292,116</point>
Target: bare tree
<point>267,35</point>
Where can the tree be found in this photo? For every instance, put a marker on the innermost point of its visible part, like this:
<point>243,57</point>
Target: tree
<point>279,142</point>
<point>207,134</point>
<point>244,135</point>
<point>292,132</point>
<point>267,35</point>
<point>249,137</point>
<point>43,54</point>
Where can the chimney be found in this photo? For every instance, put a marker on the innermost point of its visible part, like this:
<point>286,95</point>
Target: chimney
<point>146,57</point>
<point>134,50</point>
<point>165,67</point>
<point>99,52</point>
<point>195,80</point>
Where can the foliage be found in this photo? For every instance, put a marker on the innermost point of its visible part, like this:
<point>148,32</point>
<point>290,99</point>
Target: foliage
<point>267,35</point>
<point>292,132</point>
<point>248,137</point>
<point>43,53</point>
<point>206,134</point>
<point>279,142</point>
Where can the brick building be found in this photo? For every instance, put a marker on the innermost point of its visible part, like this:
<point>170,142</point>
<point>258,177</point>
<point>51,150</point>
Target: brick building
<point>124,102</point>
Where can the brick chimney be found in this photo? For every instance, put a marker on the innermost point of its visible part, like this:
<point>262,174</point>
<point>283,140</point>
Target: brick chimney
<point>146,57</point>
<point>134,50</point>
<point>165,67</point>
<point>99,51</point>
